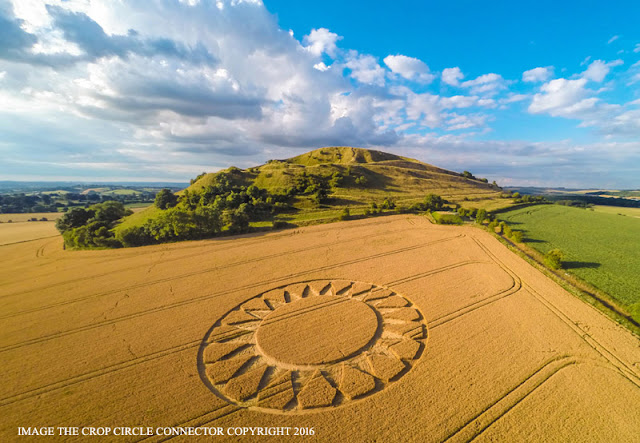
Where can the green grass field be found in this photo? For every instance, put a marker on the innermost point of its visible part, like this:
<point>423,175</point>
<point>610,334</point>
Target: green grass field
<point>617,210</point>
<point>601,248</point>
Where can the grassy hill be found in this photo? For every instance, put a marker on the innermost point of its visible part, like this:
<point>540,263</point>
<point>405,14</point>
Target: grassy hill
<point>386,176</point>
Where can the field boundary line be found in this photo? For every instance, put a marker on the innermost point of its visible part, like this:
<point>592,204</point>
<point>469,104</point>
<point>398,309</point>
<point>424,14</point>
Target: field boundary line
<point>624,369</point>
<point>216,295</point>
<point>515,287</point>
<point>27,241</point>
<point>474,306</point>
<point>477,425</point>
<point>404,280</point>
<point>627,371</point>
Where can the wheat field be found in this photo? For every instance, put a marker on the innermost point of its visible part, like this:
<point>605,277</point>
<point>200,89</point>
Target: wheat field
<point>386,329</point>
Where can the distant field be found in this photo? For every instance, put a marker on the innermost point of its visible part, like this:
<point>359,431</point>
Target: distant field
<point>122,192</point>
<point>601,248</point>
<point>20,232</point>
<point>134,206</point>
<point>630,212</point>
<point>24,217</point>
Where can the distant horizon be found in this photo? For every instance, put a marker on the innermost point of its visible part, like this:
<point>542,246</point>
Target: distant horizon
<point>163,90</point>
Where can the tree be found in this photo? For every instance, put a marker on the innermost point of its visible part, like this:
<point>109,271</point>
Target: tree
<point>109,211</point>
<point>481,215</point>
<point>506,230</point>
<point>553,259</point>
<point>320,196</point>
<point>517,236</point>
<point>433,202</point>
<point>74,219</point>
<point>166,199</point>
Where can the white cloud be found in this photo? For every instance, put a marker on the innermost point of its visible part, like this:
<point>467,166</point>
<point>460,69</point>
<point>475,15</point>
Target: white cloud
<point>321,66</point>
<point>424,109</point>
<point>458,101</point>
<point>561,97</point>
<point>457,122</point>
<point>409,68</point>
<point>637,48</point>
<point>513,98</point>
<point>365,69</point>
<point>452,76</point>
<point>541,74</point>
<point>321,41</point>
<point>613,39</point>
<point>599,69</point>
<point>488,84</point>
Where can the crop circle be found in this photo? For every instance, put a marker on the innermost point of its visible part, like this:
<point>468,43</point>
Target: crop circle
<point>311,346</point>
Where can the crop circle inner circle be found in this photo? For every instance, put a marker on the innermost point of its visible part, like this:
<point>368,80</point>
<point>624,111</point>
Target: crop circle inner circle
<point>316,330</point>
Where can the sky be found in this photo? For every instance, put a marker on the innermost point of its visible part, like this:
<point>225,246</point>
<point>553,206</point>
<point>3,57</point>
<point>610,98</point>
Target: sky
<point>525,93</point>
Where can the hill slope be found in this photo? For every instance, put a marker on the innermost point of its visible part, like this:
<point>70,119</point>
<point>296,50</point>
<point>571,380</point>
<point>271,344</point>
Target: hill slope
<point>352,177</point>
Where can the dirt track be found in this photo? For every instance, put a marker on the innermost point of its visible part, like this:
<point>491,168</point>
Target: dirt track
<point>432,333</point>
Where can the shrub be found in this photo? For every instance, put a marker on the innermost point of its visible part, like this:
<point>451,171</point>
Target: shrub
<point>345,215</point>
<point>447,219</point>
<point>388,203</point>
<point>337,179</point>
<point>362,180</point>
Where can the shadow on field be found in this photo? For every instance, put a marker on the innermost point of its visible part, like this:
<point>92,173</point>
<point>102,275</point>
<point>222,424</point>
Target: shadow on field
<point>580,264</point>
<point>533,240</point>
